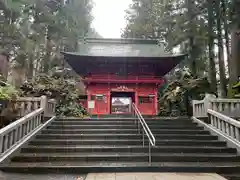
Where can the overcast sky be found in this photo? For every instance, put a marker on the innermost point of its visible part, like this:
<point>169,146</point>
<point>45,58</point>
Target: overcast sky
<point>109,17</point>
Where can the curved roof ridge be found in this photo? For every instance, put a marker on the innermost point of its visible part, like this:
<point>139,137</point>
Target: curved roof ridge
<point>121,40</point>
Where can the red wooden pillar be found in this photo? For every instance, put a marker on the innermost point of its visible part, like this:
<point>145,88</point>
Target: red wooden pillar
<point>109,102</point>
<point>88,99</point>
<point>136,97</point>
<point>156,101</point>
<point>109,98</point>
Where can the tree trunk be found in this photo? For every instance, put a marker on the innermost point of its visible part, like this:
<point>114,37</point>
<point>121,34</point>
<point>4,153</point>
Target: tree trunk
<point>235,43</point>
<point>30,67</point>
<point>222,72</point>
<point>38,61</point>
<point>192,57</point>
<point>226,31</point>
<point>46,62</point>
<point>234,64</point>
<point>212,68</point>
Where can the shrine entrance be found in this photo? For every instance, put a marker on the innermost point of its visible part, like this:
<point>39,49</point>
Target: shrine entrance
<point>121,102</point>
<point>117,72</point>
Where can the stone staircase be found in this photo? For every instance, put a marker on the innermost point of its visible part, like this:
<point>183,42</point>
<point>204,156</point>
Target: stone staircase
<point>115,145</point>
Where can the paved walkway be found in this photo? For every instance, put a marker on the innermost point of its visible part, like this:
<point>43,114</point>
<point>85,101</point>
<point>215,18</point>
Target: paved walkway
<point>16,176</point>
<point>112,176</point>
<point>153,176</point>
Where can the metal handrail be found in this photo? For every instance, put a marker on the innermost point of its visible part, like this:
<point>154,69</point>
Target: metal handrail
<point>145,130</point>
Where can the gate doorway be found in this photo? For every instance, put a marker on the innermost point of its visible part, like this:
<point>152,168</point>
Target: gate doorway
<point>121,102</point>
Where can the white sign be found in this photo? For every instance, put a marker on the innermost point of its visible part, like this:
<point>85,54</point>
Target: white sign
<point>91,104</point>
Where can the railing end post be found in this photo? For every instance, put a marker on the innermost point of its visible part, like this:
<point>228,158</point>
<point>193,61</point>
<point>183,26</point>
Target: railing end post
<point>43,103</point>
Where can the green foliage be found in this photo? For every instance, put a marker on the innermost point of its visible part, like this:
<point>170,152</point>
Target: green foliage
<point>59,88</point>
<point>234,91</point>
<point>34,32</point>
<point>180,92</point>
<point>199,28</point>
<point>179,24</point>
<point>70,110</point>
<point>8,92</point>
<point>172,23</point>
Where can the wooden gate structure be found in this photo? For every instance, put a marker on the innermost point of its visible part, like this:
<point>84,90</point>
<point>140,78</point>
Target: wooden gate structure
<point>131,68</point>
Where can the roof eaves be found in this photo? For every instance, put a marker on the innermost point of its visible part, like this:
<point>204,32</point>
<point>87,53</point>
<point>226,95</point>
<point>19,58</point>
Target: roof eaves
<point>121,41</point>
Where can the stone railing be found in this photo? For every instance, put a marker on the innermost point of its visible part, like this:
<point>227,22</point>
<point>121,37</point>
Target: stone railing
<point>32,112</point>
<point>225,106</point>
<point>18,130</point>
<point>199,109</point>
<point>226,125</point>
<point>26,105</point>
<point>51,108</point>
<point>221,105</point>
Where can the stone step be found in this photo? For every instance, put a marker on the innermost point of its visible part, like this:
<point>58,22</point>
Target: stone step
<point>122,127</point>
<point>117,166</point>
<point>127,157</point>
<point>125,120</point>
<point>99,149</point>
<point>125,136</point>
<point>125,142</point>
<point>90,122</point>
<point>120,131</point>
<point>235,176</point>
<point>114,145</point>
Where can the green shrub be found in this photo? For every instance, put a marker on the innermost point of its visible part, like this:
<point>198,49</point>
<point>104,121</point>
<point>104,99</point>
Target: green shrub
<point>62,89</point>
<point>179,93</point>
<point>8,92</point>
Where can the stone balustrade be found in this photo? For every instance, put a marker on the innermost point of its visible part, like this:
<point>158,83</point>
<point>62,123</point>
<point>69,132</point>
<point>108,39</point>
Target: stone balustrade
<point>51,108</point>
<point>226,125</point>
<point>221,105</point>
<point>225,106</point>
<point>32,111</point>
<point>26,105</point>
<point>16,131</point>
<point>199,109</point>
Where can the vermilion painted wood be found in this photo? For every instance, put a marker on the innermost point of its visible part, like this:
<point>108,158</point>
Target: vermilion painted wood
<point>104,85</point>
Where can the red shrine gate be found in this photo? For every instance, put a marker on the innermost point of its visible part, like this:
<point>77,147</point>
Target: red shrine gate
<point>143,92</point>
<point>118,72</point>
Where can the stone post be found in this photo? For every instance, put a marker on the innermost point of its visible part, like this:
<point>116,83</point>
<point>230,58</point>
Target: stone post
<point>193,108</point>
<point>207,101</point>
<point>43,104</point>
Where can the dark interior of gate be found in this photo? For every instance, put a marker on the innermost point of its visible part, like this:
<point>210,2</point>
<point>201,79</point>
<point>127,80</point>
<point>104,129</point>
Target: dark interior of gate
<point>119,72</point>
